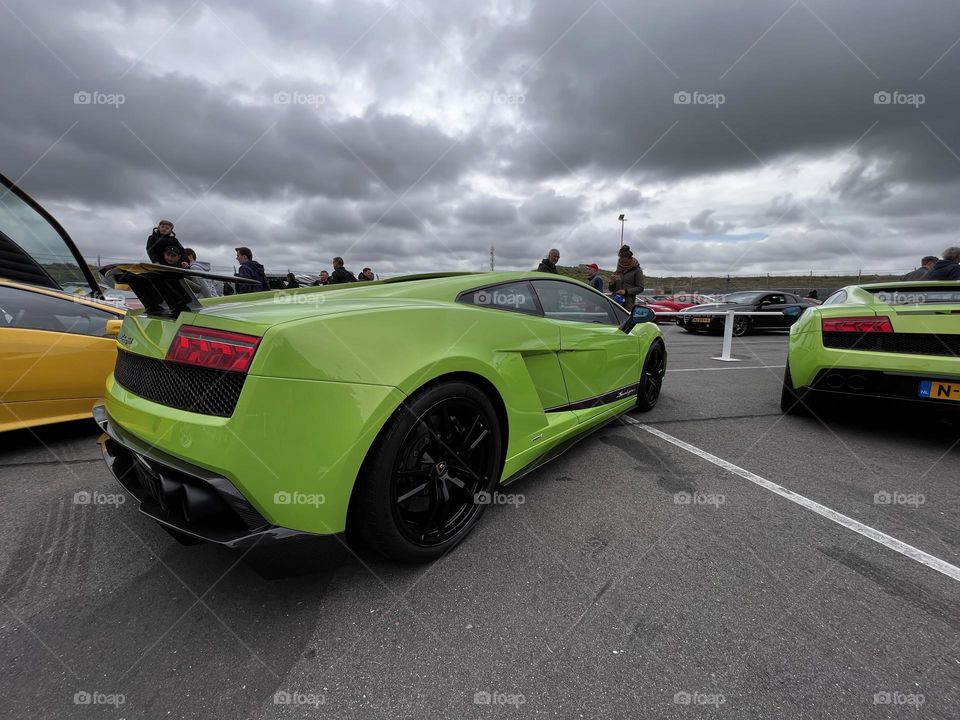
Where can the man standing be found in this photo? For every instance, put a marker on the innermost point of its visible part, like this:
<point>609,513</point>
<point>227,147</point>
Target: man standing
<point>367,274</point>
<point>549,263</point>
<point>340,274</point>
<point>251,270</point>
<point>628,279</point>
<point>593,277</point>
<point>162,237</point>
<point>947,268</point>
<point>324,279</point>
<point>926,265</point>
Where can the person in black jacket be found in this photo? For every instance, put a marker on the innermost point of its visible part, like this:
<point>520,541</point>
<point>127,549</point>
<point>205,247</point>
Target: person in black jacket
<point>340,274</point>
<point>162,237</point>
<point>252,270</point>
<point>292,281</point>
<point>549,263</point>
<point>948,268</point>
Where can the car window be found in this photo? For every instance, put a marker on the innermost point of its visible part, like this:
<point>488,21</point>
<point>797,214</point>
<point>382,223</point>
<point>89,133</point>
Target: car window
<point>33,234</point>
<point>514,296</point>
<point>838,297</point>
<point>566,301</point>
<point>774,299</point>
<point>36,311</point>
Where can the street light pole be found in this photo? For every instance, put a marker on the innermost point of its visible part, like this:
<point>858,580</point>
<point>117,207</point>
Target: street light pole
<point>622,219</point>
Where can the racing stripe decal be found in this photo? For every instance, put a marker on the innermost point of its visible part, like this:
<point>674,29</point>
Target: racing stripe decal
<point>598,400</point>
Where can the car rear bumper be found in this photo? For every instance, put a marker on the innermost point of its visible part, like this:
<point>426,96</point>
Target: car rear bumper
<point>186,499</point>
<point>879,384</point>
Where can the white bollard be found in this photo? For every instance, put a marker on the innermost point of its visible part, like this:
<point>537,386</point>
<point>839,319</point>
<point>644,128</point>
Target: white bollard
<point>726,354</point>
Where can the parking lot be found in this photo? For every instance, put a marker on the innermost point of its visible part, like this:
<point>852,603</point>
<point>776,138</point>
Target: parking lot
<point>710,558</point>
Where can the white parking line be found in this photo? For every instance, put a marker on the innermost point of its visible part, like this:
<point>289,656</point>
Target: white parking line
<point>941,566</point>
<point>752,367</point>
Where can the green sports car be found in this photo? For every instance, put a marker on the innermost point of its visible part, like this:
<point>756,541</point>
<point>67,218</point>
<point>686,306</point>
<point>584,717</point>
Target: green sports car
<point>896,341</point>
<point>388,410</point>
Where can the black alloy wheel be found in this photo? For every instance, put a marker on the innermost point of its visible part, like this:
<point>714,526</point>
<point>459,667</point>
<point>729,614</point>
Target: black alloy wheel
<point>432,473</point>
<point>651,382</point>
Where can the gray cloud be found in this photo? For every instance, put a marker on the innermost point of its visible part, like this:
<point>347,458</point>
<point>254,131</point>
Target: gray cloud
<point>495,122</point>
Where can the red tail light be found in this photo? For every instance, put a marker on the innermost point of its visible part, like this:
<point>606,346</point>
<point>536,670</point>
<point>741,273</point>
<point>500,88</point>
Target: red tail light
<point>214,349</point>
<point>858,325</point>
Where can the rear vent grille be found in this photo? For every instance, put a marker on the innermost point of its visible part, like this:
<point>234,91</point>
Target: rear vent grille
<point>908,343</point>
<point>185,387</point>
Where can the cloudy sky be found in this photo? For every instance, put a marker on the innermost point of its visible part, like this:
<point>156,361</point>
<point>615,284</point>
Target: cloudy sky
<point>738,137</point>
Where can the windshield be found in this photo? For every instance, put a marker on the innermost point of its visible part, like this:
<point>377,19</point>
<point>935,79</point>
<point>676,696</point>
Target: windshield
<point>32,250</point>
<point>742,298</point>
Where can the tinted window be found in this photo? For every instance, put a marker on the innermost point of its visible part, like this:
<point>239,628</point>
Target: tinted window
<point>775,299</point>
<point>515,296</point>
<point>744,298</point>
<point>566,301</point>
<point>35,311</point>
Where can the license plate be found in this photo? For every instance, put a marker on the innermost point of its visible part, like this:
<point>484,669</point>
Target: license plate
<point>938,390</point>
<point>701,319</point>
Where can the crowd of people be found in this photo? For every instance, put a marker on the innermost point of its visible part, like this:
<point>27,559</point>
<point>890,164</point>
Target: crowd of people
<point>946,267</point>
<point>164,248</point>
<point>624,284</point>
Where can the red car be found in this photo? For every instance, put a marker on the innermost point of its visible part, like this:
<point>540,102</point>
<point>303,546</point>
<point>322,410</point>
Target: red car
<point>669,304</point>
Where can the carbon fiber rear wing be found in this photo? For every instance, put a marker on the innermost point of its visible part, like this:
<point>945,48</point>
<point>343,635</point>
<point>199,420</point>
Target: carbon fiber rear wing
<point>164,291</point>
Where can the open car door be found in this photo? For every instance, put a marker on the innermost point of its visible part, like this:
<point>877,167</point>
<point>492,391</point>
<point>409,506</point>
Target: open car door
<point>35,249</point>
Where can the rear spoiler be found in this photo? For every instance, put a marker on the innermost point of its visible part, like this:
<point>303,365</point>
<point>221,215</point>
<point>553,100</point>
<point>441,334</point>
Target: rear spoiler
<point>164,290</point>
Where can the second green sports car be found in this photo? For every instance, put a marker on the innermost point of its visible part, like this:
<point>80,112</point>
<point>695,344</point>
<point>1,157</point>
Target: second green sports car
<point>393,410</point>
<point>894,341</point>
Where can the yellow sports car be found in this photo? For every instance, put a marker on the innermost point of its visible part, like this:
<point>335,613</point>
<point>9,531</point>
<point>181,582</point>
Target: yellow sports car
<point>57,336</point>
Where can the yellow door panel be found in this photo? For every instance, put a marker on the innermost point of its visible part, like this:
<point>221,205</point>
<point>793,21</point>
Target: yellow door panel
<point>16,416</point>
<point>43,365</point>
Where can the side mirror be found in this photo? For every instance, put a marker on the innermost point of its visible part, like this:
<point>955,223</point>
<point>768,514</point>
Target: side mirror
<point>113,328</point>
<point>640,314</point>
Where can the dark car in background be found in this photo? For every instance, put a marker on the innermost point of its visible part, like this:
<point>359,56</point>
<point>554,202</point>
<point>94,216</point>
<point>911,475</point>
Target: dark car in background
<point>787,308</point>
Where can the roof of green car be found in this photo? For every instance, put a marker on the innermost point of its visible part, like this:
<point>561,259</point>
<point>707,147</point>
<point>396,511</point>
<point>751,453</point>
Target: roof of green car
<point>442,287</point>
<point>279,306</point>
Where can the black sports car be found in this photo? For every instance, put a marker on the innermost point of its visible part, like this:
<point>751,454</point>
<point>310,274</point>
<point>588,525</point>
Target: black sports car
<point>788,306</point>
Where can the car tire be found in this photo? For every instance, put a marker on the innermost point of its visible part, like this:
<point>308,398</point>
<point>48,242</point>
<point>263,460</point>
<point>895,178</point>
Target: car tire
<point>651,381</point>
<point>793,402</point>
<point>741,326</point>
<point>431,473</point>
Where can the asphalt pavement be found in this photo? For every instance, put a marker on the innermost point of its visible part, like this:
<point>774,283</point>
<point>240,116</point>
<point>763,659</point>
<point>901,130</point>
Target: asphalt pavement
<point>711,558</point>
